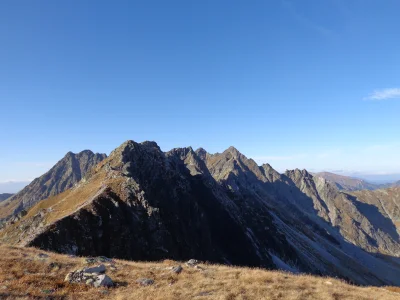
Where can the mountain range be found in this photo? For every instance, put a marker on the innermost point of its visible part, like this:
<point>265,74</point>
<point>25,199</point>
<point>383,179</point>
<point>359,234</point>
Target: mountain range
<point>5,196</point>
<point>348,183</point>
<point>141,203</point>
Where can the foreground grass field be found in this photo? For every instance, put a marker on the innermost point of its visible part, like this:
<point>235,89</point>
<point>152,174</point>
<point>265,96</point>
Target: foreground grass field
<point>27,273</point>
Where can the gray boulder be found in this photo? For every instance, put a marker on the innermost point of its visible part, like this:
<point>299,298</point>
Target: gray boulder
<point>90,278</point>
<point>177,269</point>
<point>99,269</point>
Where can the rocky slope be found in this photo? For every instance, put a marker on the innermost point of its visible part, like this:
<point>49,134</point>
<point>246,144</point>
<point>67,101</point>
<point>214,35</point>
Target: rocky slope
<point>62,176</point>
<point>387,201</point>
<point>143,204</point>
<point>5,196</point>
<point>348,183</point>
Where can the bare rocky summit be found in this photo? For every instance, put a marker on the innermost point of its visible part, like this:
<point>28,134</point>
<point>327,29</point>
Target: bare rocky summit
<point>62,176</point>
<point>144,204</point>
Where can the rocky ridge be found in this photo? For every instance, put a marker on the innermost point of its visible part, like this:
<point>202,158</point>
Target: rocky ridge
<point>224,208</point>
<point>62,176</point>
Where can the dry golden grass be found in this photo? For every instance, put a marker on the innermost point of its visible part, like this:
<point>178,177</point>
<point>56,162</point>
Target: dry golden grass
<point>23,275</point>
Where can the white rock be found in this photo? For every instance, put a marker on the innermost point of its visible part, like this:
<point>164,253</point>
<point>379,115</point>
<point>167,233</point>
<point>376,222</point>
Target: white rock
<point>192,262</point>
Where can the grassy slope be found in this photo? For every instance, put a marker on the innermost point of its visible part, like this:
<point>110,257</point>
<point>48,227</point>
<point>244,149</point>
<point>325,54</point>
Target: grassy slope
<point>23,275</point>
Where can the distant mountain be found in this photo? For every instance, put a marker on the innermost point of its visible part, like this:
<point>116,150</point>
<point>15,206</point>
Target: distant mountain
<point>5,196</point>
<point>68,171</point>
<point>144,204</point>
<point>397,183</point>
<point>348,183</point>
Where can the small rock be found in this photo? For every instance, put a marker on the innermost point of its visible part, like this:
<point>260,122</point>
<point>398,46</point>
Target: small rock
<point>89,281</point>
<point>177,269</point>
<point>68,277</point>
<point>43,255</point>
<point>203,294</point>
<point>54,266</point>
<point>99,269</point>
<point>90,260</point>
<point>145,281</point>
<point>103,280</point>
<point>328,282</point>
<point>192,262</point>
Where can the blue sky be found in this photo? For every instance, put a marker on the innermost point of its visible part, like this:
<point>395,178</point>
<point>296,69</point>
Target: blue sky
<point>309,84</point>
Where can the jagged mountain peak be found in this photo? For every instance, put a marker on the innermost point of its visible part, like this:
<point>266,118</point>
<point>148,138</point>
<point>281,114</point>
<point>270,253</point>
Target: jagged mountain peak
<point>202,153</point>
<point>235,152</point>
<point>222,207</point>
<point>297,174</point>
<point>270,173</point>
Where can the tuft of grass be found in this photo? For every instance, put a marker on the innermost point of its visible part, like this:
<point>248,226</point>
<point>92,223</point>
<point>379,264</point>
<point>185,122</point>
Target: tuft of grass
<point>23,275</point>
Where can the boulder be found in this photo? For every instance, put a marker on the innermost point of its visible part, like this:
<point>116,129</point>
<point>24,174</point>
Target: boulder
<point>177,269</point>
<point>43,255</point>
<point>103,280</point>
<point>99,269</point>
<point>92,279</point>
<point>192,262</point>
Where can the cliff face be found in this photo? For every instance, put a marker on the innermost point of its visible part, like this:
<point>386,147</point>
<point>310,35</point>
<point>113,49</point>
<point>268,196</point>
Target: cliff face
<point>143,204</point>
<point>62,176</point>
<point>386,201</point>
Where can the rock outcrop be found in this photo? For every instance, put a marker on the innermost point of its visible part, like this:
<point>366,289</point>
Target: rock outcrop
<point>92,276</point>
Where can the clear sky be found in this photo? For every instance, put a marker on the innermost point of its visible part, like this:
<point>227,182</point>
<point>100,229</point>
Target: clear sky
<point>309,84</point>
